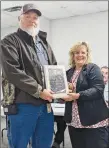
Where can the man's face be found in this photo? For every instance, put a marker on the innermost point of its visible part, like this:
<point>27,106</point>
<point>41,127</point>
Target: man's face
<point>105,74</point>
<point>29,21</point>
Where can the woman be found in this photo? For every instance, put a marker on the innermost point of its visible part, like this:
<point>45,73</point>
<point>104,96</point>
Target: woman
<point>86,112</point>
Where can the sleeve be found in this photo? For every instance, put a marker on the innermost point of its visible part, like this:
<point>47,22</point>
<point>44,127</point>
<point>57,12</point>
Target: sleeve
<point>11,69</point>
<point>96,84</point>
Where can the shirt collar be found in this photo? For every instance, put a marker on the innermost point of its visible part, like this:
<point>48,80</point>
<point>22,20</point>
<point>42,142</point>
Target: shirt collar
<point>38,40</point>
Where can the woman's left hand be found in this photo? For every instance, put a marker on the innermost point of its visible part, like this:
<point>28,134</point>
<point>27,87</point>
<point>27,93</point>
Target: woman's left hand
<point>71,96</point>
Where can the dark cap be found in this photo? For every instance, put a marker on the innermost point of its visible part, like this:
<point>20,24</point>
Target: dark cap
<point>30,7</point>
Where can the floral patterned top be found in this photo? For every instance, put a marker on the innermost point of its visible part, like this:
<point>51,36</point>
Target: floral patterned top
<point>75,114</point>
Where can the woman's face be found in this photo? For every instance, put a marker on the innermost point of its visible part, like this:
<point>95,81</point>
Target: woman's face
<point>80,56</point>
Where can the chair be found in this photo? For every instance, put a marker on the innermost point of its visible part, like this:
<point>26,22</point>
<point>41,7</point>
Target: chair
<point>4,128</point>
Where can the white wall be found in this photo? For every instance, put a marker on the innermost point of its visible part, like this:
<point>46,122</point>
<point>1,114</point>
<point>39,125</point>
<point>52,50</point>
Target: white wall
<point>44,25</point>
<point>92,28</point>
<point>7,30</point>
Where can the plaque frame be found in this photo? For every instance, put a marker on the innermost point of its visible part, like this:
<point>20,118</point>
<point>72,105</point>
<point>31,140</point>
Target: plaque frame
<point>54,76</point>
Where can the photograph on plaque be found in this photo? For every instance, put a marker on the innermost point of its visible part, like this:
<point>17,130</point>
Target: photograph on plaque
<point>55,80</point>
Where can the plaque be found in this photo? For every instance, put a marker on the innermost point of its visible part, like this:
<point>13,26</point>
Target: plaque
<point>56,80</point>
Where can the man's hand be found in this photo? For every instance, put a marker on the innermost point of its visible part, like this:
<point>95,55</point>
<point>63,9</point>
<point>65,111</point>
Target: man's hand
<point>46,95</point>
<point>71,96</point>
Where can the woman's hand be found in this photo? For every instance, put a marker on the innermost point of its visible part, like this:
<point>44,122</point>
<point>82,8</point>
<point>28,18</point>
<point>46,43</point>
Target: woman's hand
<point>71,97</point>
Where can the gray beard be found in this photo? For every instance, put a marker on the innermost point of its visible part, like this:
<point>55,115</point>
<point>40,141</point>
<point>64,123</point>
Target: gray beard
<point>32,32</point>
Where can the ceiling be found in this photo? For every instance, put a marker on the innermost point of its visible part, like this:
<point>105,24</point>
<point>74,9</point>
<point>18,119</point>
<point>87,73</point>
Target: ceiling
<point>52,9</point>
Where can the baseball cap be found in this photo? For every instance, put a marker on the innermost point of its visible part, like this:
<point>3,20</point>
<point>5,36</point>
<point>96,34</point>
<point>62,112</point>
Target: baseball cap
<point>29,7</point>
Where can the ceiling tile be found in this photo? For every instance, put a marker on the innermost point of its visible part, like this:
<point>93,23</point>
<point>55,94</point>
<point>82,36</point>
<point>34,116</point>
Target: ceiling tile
<point>82,8</point>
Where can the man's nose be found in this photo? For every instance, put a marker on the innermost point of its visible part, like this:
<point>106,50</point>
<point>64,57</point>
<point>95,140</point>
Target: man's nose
<point>31,20</point>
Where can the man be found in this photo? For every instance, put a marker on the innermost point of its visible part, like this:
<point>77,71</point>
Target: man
<point>61,126</point>
<point>105,72</point>
<point>23,55</point>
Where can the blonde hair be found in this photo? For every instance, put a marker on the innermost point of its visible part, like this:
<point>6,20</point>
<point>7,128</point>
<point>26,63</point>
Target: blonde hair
<point>74,48</point>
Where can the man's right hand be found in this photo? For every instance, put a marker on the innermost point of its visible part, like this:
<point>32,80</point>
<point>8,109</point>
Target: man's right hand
<point>46,95</point>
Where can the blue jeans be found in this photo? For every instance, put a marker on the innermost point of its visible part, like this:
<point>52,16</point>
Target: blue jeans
<point>31,122</point>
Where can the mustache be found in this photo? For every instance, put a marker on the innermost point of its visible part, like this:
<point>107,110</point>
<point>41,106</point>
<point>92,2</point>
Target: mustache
<point>33,26</point>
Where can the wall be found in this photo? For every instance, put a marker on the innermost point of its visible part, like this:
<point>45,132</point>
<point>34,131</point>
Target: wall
<point>92,28</point>
<point>7,30</point>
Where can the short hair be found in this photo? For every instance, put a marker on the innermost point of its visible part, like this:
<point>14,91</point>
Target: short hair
<point>105,67</point>
<point>74,48</point>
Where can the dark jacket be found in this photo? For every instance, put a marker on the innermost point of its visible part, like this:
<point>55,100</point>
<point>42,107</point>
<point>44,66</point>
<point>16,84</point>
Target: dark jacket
<point>21,66</point>
<point>91,104</point>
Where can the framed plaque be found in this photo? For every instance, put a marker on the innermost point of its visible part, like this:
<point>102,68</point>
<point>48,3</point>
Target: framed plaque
<point>55,80</point>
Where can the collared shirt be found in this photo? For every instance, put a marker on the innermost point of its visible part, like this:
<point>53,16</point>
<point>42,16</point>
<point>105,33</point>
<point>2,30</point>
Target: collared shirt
<point>41,52</point>
<point>106,92</point>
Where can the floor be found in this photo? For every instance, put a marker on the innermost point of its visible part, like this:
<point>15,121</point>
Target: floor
<point>4,143</point>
